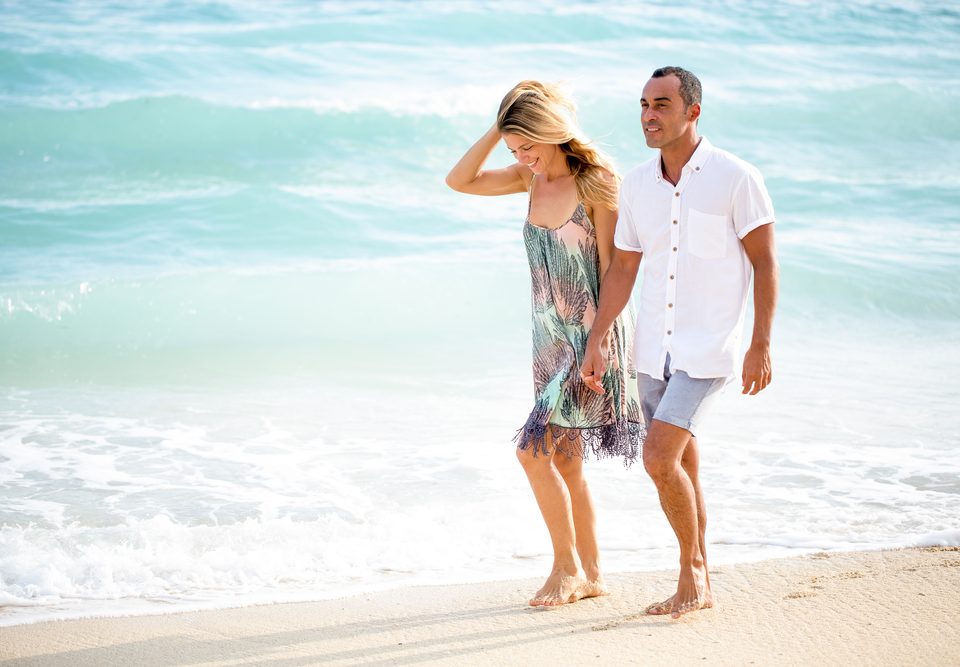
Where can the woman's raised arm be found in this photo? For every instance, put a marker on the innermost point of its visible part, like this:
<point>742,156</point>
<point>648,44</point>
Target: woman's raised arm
<point>469,176</point>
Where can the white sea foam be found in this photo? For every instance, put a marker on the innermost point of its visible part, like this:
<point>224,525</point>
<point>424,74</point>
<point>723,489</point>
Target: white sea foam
<point>291,493</point>
<point>129,193</point>
<point>943,538</point>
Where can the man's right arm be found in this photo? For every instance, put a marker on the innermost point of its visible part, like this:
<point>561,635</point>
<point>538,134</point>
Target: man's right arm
<point>616,285</point>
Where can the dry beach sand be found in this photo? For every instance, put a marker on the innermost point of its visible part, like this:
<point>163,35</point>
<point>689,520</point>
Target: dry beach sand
<point>871,608</point>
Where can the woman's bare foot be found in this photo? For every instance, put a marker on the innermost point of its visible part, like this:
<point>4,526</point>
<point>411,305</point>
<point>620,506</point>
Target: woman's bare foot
<point>562,588</point>
<point>595,587</point>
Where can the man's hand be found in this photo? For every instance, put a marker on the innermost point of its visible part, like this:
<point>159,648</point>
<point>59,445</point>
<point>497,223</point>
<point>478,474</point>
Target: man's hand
<point>595,363</point>
<point>759,247</point>
<point>757,369</point>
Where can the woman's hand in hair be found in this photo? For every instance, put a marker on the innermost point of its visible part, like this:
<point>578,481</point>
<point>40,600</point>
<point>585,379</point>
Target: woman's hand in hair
<point>469,176</point>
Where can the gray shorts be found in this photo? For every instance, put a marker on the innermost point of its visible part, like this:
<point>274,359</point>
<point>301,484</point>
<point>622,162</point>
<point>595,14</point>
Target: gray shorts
<point>677,399</point>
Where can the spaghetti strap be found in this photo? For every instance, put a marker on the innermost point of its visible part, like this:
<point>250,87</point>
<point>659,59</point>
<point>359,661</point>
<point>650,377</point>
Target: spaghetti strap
<point>530,195</point>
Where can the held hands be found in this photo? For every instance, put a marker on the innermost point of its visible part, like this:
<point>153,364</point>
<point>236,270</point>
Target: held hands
<point>594,365</point>
<point>757,369</point>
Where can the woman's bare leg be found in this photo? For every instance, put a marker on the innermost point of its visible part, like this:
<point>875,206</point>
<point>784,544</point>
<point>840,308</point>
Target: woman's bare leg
<point>566,582</point>
<point>584,521</point>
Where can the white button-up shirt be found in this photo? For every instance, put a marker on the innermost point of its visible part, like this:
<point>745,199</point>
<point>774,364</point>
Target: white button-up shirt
<point>695,271</point>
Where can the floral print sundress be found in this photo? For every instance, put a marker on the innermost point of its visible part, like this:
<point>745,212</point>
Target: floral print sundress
<point>567,415</point>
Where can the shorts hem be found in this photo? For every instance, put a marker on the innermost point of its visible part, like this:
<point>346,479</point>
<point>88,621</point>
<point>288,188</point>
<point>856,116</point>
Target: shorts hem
<point>679,422</point>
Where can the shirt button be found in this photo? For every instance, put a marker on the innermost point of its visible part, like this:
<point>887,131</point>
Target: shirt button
<point>674,222</point>
<point>674,248</point>
<point>669,332</point>
<point>669,305</point>
<point>671,277</point>
<point>676,194</point>
<point>697,168</point>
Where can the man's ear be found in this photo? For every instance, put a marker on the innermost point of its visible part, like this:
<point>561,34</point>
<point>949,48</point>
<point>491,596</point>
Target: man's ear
<point>693,111</point>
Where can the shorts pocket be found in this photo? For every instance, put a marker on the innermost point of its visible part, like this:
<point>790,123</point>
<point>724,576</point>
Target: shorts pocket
<point>706,234</point>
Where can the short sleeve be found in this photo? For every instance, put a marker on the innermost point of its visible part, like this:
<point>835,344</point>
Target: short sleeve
<point>752,207</point>
<point>625,236</point>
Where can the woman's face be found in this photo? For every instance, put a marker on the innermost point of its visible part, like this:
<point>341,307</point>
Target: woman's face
<point>529,153</point>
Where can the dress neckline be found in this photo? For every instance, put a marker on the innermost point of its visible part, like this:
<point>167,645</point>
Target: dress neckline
<point>572,217</point>
<point>563,224</point>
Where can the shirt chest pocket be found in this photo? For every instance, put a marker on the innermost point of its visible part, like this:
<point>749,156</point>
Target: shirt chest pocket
<point>706,234</point>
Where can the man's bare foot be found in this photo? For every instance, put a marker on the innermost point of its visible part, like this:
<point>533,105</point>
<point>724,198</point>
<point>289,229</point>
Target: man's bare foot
<point>693,593</point>
<point>561,588</point>
<point>666,607</point>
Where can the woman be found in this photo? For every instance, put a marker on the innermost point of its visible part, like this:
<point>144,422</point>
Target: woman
<point>568,252</point>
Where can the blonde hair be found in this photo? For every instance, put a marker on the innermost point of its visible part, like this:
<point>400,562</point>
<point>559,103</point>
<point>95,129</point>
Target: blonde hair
<point>540,112</point>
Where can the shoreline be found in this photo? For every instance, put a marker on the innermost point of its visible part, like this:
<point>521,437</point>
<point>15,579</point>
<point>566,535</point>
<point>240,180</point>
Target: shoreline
<point>875,607</point>
<point>157,606</point>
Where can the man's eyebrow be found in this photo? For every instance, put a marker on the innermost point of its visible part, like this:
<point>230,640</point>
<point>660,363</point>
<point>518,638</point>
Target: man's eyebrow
<point>657,99</point>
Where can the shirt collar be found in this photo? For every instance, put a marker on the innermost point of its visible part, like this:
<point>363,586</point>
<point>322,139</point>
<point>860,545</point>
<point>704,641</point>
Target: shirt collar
<point>700,156</point>
<point>695,163</point>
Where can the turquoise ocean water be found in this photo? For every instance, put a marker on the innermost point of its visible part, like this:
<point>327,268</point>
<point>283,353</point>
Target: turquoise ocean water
<point>252,349</point>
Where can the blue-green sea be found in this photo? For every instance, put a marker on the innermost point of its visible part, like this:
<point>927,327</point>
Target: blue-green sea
<point>253,349</point>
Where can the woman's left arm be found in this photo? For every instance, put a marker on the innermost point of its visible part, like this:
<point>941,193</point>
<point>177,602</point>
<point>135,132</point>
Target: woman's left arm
<point>605,222</point>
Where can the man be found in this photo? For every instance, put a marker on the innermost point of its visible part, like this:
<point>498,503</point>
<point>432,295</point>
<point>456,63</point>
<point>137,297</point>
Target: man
<point>702,218</point>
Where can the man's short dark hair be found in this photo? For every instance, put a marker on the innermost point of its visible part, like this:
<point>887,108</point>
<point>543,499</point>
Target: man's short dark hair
<point>690,89</point>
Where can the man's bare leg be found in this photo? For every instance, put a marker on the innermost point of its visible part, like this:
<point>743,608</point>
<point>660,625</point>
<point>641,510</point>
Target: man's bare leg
<point>690,461</point>
<point>662,455</point>
<point>566,582</point>
<point>691,464</point>
<point>584,521</point>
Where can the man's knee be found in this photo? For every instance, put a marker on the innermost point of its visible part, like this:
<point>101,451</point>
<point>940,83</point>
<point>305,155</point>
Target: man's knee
<point>663,451</point>
<point>658,464</point>
<point>661,459</point>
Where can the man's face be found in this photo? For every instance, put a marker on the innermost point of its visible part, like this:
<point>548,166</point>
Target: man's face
<point>664,116</point>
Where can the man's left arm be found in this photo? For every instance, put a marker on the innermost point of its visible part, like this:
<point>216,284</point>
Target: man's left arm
<point>760,248</point>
